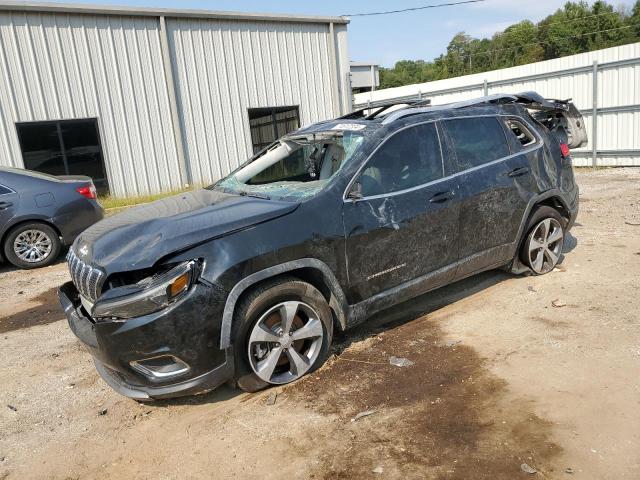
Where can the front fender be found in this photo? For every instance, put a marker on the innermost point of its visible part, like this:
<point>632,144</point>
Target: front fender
<point>338,301</point>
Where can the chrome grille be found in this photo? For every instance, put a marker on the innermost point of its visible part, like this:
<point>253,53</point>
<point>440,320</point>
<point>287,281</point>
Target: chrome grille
<point>88,280</point>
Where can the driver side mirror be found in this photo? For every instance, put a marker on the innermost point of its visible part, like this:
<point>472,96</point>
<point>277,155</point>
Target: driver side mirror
<point>356,192</point>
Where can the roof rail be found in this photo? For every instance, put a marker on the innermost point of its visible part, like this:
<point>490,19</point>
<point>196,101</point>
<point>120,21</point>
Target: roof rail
<point>380,107</point>
<point>498,98</point>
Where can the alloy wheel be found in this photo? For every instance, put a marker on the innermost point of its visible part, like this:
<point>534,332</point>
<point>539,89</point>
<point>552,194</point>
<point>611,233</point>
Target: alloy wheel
<point>545,245</point>
<point>285,342</point>
<point>32,246</point>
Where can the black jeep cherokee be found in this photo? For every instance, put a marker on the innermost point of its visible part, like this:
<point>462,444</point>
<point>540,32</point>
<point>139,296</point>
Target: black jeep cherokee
<point>247,279</point>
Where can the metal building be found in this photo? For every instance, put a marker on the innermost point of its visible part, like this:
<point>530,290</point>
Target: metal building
<point>365,76</point>
<point>148,100</point>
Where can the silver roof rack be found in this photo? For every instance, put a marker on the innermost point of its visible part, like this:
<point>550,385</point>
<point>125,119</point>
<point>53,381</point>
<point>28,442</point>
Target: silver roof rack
<point>498,98</point>
<point>376,108</point>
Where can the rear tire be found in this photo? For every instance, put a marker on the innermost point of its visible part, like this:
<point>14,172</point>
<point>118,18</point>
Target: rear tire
<point>267,349</point>
<point>542,247</point>
<point>32,245</point>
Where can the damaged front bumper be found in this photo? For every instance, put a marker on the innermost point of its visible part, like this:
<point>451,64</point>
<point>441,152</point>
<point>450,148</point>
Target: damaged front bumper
<point>169,353</point>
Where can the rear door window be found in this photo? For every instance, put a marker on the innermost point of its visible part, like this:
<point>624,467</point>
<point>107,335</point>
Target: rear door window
<point>476,141</point>
<point>409,158</point>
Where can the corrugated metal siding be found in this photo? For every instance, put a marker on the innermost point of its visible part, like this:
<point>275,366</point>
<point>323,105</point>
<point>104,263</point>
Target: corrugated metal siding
<point>223,68</point>
<point>619,86</point>
<point>56,66</point>
<point>343,70</point>
<point>361,76</point>
<point>110,66</point>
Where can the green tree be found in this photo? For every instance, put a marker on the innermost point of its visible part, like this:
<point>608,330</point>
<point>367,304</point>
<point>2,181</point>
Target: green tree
<point>634,22</point>
<point>517,45</point>
<point>574,28</point>
<point>458,59</point>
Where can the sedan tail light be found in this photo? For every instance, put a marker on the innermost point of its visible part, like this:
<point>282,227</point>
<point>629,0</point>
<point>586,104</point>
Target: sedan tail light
<point>88,191</point>
<point>564,149</point>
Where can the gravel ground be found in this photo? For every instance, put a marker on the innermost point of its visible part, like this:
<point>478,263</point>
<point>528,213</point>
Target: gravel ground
<point>501,378</point>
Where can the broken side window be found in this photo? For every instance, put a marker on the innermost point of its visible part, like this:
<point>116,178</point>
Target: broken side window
<point>523,135</point>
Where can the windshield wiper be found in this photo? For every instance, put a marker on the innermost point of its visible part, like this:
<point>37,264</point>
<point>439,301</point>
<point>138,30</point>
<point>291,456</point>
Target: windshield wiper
<point>244,193</point>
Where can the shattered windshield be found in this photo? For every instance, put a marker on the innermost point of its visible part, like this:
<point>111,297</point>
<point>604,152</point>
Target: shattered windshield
<point>294,168</point>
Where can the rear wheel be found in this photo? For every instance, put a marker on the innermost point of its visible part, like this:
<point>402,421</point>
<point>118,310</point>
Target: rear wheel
<point>32,245</point>
<point>284,332</point>
<point>543,244</point>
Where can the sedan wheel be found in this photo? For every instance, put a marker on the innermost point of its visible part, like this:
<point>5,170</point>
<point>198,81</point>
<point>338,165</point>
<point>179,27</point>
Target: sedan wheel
<point>545,246</point>
<point>285,342</point>
<point>32,246</point>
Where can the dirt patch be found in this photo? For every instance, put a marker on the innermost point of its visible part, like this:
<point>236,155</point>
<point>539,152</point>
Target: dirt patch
<point>445,416</point>
<point>47,309</point>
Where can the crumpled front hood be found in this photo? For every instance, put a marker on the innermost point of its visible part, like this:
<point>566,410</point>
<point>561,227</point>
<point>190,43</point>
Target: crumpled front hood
<point>140,236</point>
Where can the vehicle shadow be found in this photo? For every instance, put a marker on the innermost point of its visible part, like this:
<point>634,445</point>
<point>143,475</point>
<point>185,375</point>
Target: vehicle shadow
<point>570,243</point>
<point>223,393</point>
<point>47,310</point>
<point>419,307</point>
<point>6,267</point>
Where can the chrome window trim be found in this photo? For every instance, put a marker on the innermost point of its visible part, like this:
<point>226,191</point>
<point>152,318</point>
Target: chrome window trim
<point>530,149</point>
<point>11,190</point>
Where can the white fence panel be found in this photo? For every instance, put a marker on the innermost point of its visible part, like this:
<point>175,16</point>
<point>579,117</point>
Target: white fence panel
<point>617,101</point>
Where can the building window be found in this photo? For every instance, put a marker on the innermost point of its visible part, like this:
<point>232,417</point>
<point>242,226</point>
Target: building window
<point>269,124</point>
<point>64,147</point>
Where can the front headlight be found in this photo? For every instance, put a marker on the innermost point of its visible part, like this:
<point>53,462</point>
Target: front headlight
<point>149,295</point>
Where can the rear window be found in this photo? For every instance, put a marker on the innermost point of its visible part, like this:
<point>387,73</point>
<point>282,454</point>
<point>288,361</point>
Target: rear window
<point>4,190</point>
<point>476,141</point>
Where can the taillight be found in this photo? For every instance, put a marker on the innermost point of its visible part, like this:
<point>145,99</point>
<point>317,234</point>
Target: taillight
<point>564,149</point>
<point>87,191</point>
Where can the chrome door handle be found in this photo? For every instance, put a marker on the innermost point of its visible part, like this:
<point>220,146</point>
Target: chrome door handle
<point>5,205</point>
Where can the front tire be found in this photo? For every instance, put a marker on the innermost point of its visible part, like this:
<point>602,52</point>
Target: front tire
<point>542,247</point>
<point>284,331</point>
<point>32,245</point>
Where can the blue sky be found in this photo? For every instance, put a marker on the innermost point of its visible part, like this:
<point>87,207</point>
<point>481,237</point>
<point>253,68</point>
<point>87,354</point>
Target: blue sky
<point>389,38</point>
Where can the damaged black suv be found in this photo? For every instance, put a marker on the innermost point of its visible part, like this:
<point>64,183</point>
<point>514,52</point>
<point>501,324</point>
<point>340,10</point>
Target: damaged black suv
<point>247,280</point>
